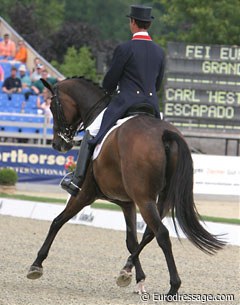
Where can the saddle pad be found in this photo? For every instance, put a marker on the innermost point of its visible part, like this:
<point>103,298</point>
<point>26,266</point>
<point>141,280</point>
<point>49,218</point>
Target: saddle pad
<point>99,146</point>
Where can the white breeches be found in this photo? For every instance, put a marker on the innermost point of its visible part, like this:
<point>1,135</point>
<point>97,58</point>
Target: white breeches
<point>95,126</point>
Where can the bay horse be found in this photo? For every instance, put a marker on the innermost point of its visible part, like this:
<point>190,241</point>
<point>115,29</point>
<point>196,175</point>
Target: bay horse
<point>145,163</point>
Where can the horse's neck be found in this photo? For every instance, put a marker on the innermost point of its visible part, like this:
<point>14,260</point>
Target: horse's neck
<point>91,104</point>
<point>95,109</point>
<point>90,98</point>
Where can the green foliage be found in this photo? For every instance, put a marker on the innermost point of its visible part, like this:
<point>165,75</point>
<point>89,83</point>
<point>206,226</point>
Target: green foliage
<point>79,63</point>
<point>196,21</point>
<point>45,16</point>
<point>108,16</point>
<point>50,14</point>
<point>8,176</point>
<point>51,27</point>
<point>199,21</point>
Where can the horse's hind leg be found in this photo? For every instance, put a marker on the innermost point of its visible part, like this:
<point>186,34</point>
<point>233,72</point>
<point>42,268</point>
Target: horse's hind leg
<point>147,237</point>
<point>134,257</point>
<point>74,205</point>
<point>124,279</point>
<point>151,216</point>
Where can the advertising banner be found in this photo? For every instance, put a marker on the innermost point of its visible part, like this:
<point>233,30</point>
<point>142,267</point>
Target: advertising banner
<point>212,174</point>
<point>216,175</point>
<point>36,164</point>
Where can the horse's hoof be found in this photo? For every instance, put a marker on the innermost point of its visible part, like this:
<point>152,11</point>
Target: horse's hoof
<point>174,288</point>
<point>140,289</point>
<point>35,272</point>
<point>124,278</point>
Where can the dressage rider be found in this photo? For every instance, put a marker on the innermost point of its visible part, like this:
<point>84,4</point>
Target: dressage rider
<point>136,70</point>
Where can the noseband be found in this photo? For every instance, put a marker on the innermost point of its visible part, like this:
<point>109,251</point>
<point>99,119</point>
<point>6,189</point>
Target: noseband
<point>65,130</point>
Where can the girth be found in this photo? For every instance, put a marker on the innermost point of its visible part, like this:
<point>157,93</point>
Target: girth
<point>141,108</point>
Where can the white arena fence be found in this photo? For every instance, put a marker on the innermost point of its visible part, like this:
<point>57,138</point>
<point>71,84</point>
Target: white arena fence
<point>105,218</point>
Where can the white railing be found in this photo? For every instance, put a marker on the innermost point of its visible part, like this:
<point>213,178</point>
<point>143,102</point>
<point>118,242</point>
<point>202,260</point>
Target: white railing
<point>41,135</point>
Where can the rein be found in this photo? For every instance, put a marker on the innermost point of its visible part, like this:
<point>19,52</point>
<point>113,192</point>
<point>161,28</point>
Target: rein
<point>90,116</point>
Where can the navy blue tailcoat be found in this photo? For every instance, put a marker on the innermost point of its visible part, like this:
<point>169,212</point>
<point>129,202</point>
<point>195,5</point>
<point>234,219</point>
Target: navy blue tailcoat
<point>137,68</point>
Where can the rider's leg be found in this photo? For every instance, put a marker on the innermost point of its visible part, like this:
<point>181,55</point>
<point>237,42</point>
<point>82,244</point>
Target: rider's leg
<point>73,181</point>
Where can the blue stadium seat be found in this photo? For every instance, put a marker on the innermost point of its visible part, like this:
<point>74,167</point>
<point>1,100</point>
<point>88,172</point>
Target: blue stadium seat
<point>50,131</point>
<point>31,110</point>
<point>30,105</point>
<point>4,117</point>
<point>11,129</point>
<point>25,119</point>
<point>29,130</point>
<point>8,118</point>
<point>32,99</point>
<point>15,104</point>
<point>18,97</point>
<point>6,68</point>
<point>13,118</point>
<point>3,96</point>
<point>38,119</point>
<point>11,109</point>
<point>39,130</point>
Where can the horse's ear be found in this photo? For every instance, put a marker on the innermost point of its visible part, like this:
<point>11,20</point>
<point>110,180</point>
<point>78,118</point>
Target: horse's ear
<point>47,85</point>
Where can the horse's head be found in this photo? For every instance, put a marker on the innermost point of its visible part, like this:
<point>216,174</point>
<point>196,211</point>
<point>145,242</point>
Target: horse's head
<point>66,117</point>
<point>75,101</point>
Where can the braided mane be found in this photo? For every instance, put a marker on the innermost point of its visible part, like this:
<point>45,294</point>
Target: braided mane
<point>87,80</point>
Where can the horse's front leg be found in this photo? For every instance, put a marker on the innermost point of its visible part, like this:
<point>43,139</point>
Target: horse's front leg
<point>125,276</point>
<point>74,205</point>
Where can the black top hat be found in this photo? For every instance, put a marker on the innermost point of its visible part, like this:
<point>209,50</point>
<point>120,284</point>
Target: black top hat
<point>141,12</point>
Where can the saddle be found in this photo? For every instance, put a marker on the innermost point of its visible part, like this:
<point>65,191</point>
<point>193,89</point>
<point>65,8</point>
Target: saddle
<point>141,108</point>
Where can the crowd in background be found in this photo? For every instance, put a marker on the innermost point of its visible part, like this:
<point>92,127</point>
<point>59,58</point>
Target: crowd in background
<point>22,80</point>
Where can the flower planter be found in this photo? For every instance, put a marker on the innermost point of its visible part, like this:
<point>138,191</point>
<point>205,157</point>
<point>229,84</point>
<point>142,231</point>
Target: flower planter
<point>7,189</point>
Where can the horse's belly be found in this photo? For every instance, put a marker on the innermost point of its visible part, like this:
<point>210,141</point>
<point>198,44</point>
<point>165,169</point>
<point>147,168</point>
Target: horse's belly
<point>107,171</point>
<point>110,182</point>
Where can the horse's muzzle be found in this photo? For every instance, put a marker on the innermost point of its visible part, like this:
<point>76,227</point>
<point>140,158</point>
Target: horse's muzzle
<point>61,146</point>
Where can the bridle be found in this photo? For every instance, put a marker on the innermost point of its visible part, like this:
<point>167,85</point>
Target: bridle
<point>65,130</point>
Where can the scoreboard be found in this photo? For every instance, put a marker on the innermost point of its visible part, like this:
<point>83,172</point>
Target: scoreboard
<point>202,86</point>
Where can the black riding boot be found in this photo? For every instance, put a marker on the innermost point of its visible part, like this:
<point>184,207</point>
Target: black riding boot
<point>73,181</point>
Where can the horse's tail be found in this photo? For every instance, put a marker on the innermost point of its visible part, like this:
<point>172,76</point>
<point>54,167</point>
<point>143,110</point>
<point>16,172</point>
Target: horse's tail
<point>180,198</point>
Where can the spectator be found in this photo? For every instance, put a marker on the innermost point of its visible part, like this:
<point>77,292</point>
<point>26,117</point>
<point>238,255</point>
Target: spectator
<point>43,104</point>
<point>36,62</point>
<point>38,86</point>
<point>12,84</point>
<point>1,74</point>
<point>21,54</point>
<point>36,74</point>
<point>26,82</point>
<point>7,48</point>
